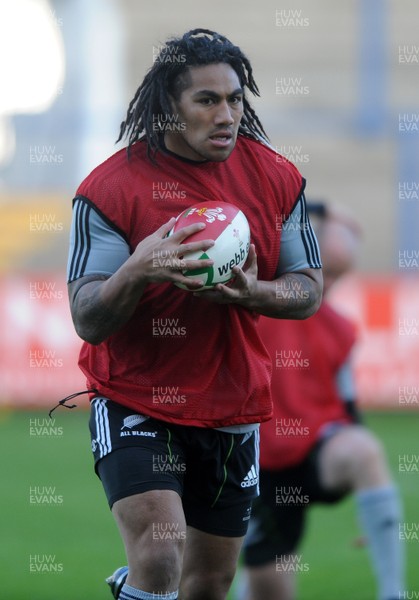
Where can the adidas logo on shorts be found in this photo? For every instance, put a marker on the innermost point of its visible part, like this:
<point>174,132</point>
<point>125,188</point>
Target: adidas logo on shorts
<point>250,479</point>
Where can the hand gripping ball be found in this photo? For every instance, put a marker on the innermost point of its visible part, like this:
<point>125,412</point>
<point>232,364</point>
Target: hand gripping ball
<point>228,227</point>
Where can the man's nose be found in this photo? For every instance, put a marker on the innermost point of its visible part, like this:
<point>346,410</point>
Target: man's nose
<point>224,114</point>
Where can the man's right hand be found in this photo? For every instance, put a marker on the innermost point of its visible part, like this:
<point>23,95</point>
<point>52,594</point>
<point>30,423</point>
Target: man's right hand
<point>159,258</point>
<point>101,305</point>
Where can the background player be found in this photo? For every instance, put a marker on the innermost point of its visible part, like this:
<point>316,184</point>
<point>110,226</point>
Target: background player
<point>167,464</point>
<point>315,449</point>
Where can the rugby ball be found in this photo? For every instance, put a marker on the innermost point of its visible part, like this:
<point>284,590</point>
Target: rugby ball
<point>227,225</point>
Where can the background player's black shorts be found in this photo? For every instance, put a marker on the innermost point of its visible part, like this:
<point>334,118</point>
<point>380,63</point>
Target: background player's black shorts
<point>216,473</point>
<point>278,515</point>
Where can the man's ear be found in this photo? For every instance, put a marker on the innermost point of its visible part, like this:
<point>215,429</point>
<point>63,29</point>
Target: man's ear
<point>173,103</point>
<point>180,84</point>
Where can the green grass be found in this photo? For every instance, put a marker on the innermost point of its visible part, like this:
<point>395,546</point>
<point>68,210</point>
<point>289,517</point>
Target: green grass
<point>80,532</point>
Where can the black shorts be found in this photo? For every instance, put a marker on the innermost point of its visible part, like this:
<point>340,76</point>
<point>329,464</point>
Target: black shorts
<point>215,473</point>
<point>278,515</point>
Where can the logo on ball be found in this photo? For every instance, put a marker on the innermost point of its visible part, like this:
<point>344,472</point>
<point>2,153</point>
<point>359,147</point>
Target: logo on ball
<point>228,227</point>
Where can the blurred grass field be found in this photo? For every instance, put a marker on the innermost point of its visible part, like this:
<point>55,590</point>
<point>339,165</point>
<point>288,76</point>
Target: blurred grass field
<point>72,528</point>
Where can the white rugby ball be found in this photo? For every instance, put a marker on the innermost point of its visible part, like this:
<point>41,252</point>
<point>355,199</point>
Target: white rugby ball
<point>227,225</point>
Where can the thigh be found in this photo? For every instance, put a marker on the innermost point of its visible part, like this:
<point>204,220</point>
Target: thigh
<point>153,528</point>
<point>352,458</point>
<point>155,517</point>
<point>141,465</point>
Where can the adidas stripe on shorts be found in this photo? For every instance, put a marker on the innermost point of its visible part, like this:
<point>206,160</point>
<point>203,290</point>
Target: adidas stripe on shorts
<point>216,473</point>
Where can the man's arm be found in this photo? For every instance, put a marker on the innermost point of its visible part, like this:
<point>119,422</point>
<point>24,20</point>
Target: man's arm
<point>102,302</point>
<point>100,306</point>
<point>296,292</point>
<point>295,295</point>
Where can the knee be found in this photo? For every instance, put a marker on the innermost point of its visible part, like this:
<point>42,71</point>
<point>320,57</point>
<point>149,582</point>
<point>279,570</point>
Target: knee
<point>166,556</point>
<point>160,561</point>
<point>367,452</point>
<point>362,459</point>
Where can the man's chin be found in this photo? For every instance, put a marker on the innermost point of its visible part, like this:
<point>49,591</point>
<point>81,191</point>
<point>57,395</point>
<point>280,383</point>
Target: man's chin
<point>219,155</point>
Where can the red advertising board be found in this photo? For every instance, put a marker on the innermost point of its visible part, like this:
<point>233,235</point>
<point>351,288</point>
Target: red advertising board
<point>39,348</point>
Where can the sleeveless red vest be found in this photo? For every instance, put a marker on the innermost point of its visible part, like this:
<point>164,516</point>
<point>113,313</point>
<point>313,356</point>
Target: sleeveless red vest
<point>179,358</point>
<point>306,356</point>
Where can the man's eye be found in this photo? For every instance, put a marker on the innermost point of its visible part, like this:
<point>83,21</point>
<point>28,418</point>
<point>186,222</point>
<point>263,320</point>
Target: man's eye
<point>206,101</point>
<point>236,100</point>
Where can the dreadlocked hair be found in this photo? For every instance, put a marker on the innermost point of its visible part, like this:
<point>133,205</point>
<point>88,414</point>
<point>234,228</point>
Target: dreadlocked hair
<point>150,108</point>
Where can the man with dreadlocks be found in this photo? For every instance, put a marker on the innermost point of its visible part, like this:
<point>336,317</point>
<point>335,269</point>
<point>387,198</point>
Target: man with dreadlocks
<point>179,379</point>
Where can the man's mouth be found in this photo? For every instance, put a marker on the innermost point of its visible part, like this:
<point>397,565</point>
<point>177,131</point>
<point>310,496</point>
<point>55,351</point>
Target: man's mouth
<point>221,138</point>
<point>223,134</point>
